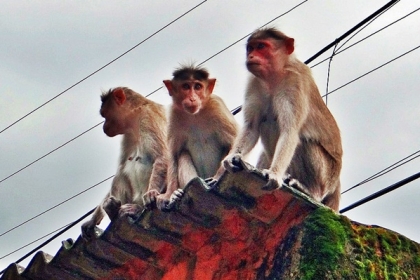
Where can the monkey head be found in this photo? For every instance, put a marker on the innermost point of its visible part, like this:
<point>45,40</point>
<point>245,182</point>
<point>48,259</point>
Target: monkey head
<point>190,88</point>
<point>267,51</point>
<point>116,112</point>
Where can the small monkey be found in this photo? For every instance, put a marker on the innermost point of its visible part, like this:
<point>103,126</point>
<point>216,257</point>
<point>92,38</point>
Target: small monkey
<point>141,174</point>
<point>201,129</point>
<point>284,109</point>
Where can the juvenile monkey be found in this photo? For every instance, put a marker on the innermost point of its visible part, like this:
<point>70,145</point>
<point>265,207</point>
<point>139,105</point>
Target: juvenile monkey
<point>142,168</point>
<point>283,107</point>
<point>201,129</point>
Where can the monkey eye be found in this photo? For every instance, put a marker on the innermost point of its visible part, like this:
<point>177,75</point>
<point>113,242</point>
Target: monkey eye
<point>185,86</point>
<point>249,49</point>
<point>260,46</point>
<point>198,86</point>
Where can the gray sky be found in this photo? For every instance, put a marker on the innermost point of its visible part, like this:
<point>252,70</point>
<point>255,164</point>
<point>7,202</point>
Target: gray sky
<point>47,46</point>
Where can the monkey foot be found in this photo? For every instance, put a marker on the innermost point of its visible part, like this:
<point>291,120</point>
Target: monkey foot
<point>112,206</point>
<point>234,163</point>
<point>175,197</point>
<point>211,183</point>
<point>89,230</point>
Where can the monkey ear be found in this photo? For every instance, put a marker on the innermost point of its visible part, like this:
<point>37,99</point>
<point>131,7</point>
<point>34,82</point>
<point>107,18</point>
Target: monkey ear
<point>169,86</point>
<point>290,45</point>
<point>210,86</point>
<point>119,96</point>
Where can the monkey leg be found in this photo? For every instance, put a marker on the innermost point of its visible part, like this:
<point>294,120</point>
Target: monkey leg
<point>112,206</point>
<point>332,200</point>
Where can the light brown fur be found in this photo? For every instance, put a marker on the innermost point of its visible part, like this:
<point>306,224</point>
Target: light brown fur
<point>283,107</point>
<point>142,168</point>
<point>201,129</point>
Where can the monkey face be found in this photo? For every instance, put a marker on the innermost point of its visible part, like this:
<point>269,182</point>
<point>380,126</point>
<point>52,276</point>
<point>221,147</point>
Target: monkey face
<point>265,56</point>
<point>114,115</point>
<point>192,93</point>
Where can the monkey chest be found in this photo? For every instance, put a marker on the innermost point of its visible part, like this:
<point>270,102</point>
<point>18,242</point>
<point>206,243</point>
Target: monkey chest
<point>205,151</point>
<point>137,169</point>
<point>269,130</point>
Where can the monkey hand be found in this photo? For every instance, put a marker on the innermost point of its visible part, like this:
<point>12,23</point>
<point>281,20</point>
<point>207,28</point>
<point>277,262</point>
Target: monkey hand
<point>211,182</point>
<point>88,230</point>
<point>149,197</point>
<point>162,200</point>
<point>131,210</point>
<point>112,206</point>
<point>175,196</point>
<point>272,180</point>
<point>233,163</point>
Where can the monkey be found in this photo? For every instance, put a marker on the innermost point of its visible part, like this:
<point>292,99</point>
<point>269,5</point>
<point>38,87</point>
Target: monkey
<point>143,163</point>
<point>201,129</point>
<point>284,109</point>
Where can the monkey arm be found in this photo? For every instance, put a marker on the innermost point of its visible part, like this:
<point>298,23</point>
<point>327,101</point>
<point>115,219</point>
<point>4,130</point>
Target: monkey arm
<point>158,177</point>
<point>292,110</point>
<point>247,139</point>
<point>186,169</point>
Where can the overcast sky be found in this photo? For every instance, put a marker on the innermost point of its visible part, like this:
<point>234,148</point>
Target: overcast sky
<point>47,46</point>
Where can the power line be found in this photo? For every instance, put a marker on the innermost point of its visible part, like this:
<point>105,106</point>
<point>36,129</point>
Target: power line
<point>234,43</point>
<point>367,73</point>
<point>381,192</point>
<point>64,229</point>
<point>55,206</point>
<point>52,151</point>
<point>365,38</point>
<point>389,4</point>
<point>386,170</point>
<point>28,244</point>
<point>106,65</point>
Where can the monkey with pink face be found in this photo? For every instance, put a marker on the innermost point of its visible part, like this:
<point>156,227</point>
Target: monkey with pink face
<point>284,109</point>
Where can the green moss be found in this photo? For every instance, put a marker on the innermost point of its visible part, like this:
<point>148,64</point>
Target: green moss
<point>323,244</point>
<point>334,248</point>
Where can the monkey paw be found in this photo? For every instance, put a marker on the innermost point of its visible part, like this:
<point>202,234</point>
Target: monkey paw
<point>211,182</point>
<point>233,163</point>
<point>175,197</point>
<point>112,206</point>
<point>150,197</point>
<point>272,182</point>
<point>131,210</point>
<point>88,230</point>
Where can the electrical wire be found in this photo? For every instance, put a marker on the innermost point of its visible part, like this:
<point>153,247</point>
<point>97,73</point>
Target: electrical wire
<point>52,151</point>
<point>381,192</point>
<point>386,170</point>
<point>373,70</point>
<point>106,65</point>
<point>30,243</point>
<point>365,38</point>
<point>55,206</point>
<point>61,231</point>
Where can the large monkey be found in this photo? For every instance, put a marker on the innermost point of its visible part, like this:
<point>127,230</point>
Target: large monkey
<point>201,129</point>
<point>141,174</point>
<point>283,107</point>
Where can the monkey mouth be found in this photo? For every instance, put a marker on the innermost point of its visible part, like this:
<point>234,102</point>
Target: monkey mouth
<point>252,64</point>
<point>192,109</point>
